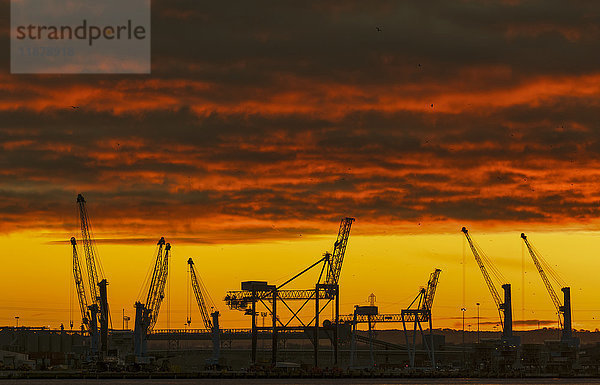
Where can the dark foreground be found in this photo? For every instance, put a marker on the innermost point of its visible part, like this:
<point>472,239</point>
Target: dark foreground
<point>227,377</point>
<point>306,381</point>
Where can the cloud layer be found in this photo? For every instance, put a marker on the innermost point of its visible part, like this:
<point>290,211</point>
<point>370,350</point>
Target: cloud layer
<point>267,120</point>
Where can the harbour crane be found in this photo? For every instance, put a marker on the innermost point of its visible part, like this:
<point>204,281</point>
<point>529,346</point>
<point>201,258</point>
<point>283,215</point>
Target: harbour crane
<point>146,314</point>
<point>326,288</point>
<point>421,313</point>
<point>504,307</point>
<point>97,284</point>
<point>208,311</point>
<point>563,309</point>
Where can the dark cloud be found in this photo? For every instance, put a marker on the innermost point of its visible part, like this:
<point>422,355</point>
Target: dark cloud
<point>272,112</point>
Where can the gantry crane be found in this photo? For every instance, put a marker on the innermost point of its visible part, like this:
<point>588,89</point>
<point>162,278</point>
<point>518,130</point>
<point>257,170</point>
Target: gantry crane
<point>208,311</point>
<point>326,288</point>
<point>97,284</point>
<point>423,303</point>
<point>563,309</point>
<point>504,308</point>
<point>146,314</point>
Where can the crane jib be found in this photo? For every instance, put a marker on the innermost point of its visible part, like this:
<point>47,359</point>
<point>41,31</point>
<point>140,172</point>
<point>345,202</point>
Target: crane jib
<point>488,280</point>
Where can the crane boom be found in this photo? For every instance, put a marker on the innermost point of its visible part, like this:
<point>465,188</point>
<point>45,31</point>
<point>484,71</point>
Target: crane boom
<point>210,319</point>
<point>486,275</point>
<point>89,250</point>
<point>339,249</point>
<point>549,288</point>
<point>202,297</point>
<point>79,285</point>
<point>431,287</point>
<point>156,292</point>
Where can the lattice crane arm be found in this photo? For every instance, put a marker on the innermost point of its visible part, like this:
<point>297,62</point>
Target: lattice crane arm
<point>549,288</point>
<point>79,285</point>
<point>486,276</point>
<point>339,249</point>
<point>202,297</point>
<point>158,281</point>
<point>94,276</point>
<point>431,287</point>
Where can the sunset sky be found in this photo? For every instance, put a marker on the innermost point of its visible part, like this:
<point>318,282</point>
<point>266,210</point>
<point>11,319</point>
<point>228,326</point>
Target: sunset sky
<point>263,123</point>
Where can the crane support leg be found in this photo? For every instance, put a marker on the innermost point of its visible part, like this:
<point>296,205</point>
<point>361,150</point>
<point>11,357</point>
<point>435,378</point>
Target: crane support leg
<point>507,332</point>
<point>103,316</point>
<point>254,331</point>
<point>567,326</point>
<point>216,338</point>
<point>274,316</point>
<point>317,326</point>
<point>353,341</point>
<point>335,327</point>
<point>371,341</point>
<point>138,329</point>
<point>94,328</point>
<point>431,342</point>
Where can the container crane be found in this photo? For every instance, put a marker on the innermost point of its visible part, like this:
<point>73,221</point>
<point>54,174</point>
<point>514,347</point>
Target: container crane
<point>208,311</point>
<point>563,309</point>
<point>146,314</point>
<point>326,288</point>
<point>504,308</point>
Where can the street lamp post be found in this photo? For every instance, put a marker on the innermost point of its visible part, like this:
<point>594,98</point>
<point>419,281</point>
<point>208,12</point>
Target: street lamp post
<point>17,318</point>
<point>463,335</point>
<point>478,322</point>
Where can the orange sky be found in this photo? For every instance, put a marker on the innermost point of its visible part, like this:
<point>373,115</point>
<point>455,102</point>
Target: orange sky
<point>391,266</point>
<point>259,124</point>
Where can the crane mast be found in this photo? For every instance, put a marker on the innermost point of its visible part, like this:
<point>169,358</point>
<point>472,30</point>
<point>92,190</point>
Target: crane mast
<point>79,286</point>
<point>563,311</point>
<point>339,250</point>
<point>504,307</point>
